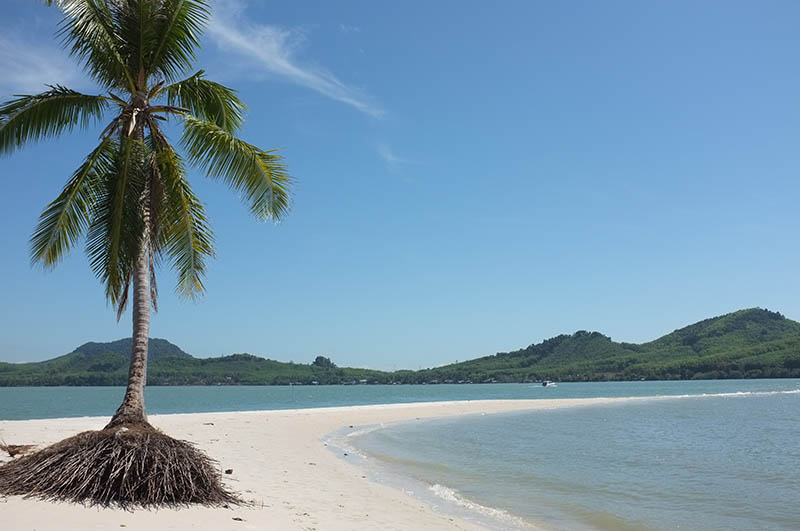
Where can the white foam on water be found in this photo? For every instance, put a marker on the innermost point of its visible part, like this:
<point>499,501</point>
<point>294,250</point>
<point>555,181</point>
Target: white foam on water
<point>452,496</point>
<point>364,430</point>
<point>720,395</point>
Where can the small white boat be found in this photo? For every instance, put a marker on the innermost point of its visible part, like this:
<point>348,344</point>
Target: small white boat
<point>548,383</point>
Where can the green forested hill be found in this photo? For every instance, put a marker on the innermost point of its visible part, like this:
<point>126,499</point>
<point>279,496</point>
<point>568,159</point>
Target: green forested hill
<point>107,364</point>
<point>750,343</point>
<point>158,348</point>
<point>89,364</point>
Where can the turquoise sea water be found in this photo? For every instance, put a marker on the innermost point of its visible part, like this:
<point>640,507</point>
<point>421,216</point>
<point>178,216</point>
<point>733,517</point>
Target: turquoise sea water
<point>691,455</point>
<point>698,462</point>
<point>18,403</point>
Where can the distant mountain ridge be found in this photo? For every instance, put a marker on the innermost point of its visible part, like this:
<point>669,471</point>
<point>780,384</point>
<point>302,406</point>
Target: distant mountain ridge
<point>752,343</point>
<point>158,348</point>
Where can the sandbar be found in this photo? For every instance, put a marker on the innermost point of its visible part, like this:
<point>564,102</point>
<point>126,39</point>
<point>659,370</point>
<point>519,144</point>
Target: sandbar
<point>280,462</point>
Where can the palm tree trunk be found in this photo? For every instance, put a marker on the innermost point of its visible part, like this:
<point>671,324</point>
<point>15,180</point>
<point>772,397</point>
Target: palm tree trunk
<point>132,409</point>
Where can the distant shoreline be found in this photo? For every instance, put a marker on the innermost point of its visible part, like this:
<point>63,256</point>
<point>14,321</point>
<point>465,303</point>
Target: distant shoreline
<point>747,344</point>
<point>373,383</point>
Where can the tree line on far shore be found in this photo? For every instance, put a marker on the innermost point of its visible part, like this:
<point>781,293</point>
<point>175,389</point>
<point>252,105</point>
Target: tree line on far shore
<point>746,344</point>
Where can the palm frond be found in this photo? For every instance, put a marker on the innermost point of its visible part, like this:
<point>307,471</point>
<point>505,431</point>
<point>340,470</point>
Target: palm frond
<point>117,228</point>
<point>186,235</point>
<point>133,19</point>
<point>178,26</point>
<point>34,117</point>
<point>122,302</point>
<point>207,100</point>
<point>67,218</point>
<point>88,27</point>
<point>258,175</point>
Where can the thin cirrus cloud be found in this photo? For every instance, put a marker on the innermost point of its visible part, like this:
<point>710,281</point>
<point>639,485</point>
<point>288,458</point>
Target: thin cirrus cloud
<point>274,49</point>
<point>28,68</point>
<point>391,159</point>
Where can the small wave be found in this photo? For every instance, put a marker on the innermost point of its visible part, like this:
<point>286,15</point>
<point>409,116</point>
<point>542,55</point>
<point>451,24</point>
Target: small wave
<point>452,496</point>
<point>341,441</point>
<point>365,430</point>
<point>731,394</point>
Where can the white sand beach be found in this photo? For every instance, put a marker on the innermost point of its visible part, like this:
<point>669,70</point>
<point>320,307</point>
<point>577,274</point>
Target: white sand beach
<point>280,462</point>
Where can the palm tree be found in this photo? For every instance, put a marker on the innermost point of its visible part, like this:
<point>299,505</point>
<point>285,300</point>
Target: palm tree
<point>130,198</point>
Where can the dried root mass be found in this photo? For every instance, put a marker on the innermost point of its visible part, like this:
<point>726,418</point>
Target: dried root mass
<point>13,450</point>
<point>129,468</point>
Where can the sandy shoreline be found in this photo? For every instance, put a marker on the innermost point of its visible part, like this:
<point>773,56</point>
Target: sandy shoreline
<point>279,461</point>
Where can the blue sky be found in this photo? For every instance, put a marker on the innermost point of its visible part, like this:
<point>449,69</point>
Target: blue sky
<point>470,178</point>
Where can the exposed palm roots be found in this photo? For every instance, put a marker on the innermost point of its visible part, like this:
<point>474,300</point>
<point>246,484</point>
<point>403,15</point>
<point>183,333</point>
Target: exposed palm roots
<point>136,467</point>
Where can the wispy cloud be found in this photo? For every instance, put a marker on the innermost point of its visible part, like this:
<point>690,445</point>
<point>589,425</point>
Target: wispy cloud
<point>27,67</point>
<point>275,50</point>
<point>346,28</point>
<point>392,160</point>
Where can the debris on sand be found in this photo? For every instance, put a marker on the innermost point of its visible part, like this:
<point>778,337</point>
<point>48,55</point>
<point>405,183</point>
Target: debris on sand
<point>13,450</point>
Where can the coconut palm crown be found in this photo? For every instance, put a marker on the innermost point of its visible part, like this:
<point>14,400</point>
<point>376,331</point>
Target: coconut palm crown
<point>130,199</point>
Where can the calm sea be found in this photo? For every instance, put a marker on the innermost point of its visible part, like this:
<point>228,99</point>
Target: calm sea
<point>18,403</point>
<point>719,461</point>
<point>694,455</point>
